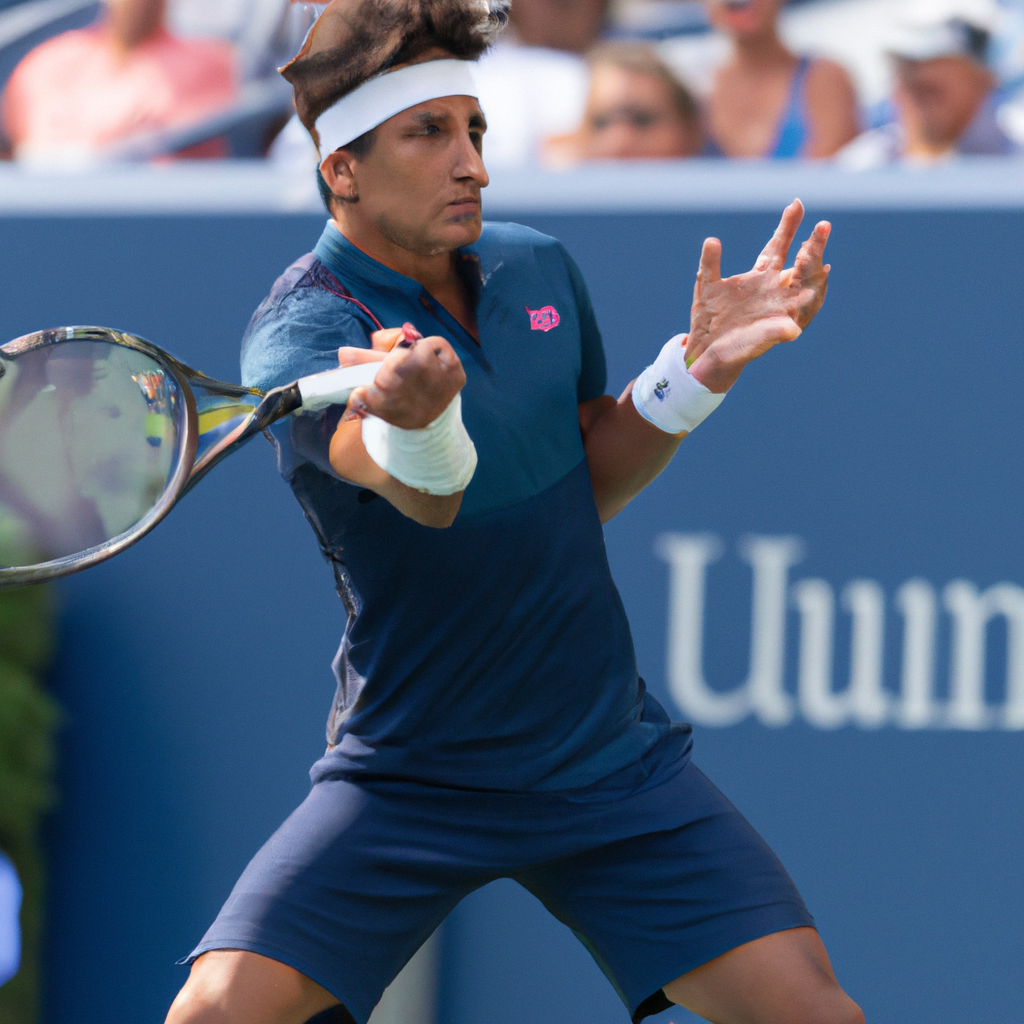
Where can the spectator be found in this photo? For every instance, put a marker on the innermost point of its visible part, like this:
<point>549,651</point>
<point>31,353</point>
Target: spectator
<point>636,109</point>
<point>10,932</point>
<point>766,101</point>
<point>82,91</point>
<point>533,84</point>
<point>944,89</point>
<point>568,25</point>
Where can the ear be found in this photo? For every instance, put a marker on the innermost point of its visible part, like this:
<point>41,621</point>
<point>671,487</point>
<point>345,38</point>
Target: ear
<point>339,174</point>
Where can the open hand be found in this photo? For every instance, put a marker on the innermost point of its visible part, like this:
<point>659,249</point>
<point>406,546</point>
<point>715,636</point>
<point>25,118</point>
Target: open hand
<point>736,319</point>
<point>417,380</point>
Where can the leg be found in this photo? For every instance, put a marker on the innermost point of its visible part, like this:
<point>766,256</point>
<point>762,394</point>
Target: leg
<point>234,987</point>
<point>697,896</point>
<point>784,978</point>
<point>344,893</point>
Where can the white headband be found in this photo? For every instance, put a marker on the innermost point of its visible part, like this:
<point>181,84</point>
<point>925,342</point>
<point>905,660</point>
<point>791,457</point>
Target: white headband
<point>389,94</point>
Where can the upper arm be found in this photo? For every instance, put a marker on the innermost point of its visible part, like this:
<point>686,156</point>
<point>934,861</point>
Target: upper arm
<point>832,109</point>
<point>591,411</point>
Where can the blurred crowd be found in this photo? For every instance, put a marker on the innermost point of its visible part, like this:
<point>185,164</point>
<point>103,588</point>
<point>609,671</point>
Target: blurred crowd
<point>864,83</point>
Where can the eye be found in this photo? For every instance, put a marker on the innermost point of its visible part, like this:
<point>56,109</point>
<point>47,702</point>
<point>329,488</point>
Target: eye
<point>643,119</point>
<point>432,129</point>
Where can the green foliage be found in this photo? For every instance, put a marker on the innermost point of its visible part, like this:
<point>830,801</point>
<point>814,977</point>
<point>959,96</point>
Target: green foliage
<point>28,720</point>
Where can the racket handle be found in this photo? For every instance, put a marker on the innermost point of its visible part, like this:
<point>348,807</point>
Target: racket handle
<point>333,387</point>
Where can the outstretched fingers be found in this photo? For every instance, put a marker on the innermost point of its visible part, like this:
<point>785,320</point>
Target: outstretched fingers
<point>809,259</point>
<point>773,256</point>
<point>710,269</point>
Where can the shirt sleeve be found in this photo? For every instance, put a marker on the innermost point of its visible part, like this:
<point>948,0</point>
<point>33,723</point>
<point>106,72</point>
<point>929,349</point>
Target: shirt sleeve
<point>289,338</point>
<point>593,378</point>
<point>298,335</point>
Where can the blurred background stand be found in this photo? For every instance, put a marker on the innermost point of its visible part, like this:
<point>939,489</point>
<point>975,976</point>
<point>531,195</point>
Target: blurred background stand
<point>263,35</point>
<point>248,126</point>
<point>24,25</point>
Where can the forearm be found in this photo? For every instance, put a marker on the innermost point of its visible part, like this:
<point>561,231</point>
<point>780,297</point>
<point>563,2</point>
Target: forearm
<point>732,322</point>
<point>624,451</point>
<point>350,460</point>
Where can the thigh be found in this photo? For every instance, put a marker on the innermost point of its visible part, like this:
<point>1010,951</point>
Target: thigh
<point>347,890</point>
<point>784,978</point>
<point>656,906</point>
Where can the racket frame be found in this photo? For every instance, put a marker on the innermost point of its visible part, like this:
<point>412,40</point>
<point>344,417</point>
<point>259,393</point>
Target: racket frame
<point>188,441</point>
<point>200,394</point>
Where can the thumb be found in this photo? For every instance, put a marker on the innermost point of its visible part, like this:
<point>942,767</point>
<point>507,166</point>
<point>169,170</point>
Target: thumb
<point>385,340</point>
<point>349,355</point>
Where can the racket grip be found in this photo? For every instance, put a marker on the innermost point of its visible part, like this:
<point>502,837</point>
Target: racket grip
<point>319,390</point>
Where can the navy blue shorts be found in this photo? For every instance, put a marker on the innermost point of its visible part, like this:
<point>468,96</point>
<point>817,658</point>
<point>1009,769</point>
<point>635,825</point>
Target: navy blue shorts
<point>656,875</point>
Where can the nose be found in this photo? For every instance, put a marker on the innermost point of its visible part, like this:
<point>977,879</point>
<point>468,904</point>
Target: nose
<point>618,142</point>
<point>470,164</point>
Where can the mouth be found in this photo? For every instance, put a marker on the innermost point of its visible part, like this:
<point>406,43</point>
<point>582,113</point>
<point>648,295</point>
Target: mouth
<point>467,206</point>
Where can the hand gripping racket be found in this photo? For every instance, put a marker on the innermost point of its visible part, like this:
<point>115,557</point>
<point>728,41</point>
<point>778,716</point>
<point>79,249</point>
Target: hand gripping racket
<point>101,432</point>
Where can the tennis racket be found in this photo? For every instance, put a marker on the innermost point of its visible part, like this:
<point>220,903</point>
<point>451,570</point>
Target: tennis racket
<point>101,432</point>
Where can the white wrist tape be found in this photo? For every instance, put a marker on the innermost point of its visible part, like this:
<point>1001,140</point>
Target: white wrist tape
<point>440,458</point>
<point>667,395</point>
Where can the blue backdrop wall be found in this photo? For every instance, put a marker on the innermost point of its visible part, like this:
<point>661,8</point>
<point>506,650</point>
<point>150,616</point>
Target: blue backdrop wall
<point>827,581</point>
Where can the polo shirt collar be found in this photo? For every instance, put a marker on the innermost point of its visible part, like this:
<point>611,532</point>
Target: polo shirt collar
<point>353,267</point>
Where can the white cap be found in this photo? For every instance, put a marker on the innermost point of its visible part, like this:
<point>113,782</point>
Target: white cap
<point>927,29</point>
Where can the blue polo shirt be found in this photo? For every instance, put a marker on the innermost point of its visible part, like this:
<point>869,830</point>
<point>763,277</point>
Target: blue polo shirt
<point>494,654</point>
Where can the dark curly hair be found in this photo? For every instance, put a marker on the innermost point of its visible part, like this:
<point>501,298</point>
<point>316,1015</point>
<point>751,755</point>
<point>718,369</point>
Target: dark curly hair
<point>354,40</point>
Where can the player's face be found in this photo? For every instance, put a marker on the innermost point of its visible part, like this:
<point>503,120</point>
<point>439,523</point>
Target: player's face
<point>420,184</point>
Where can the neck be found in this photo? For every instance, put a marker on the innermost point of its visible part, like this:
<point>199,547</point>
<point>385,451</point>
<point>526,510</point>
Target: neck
<point>131,23</point>
<point>761,52</point>
<point>435,272</point>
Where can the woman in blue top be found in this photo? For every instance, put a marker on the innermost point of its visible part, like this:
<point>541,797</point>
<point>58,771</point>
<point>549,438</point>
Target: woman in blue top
<point>767,102</point>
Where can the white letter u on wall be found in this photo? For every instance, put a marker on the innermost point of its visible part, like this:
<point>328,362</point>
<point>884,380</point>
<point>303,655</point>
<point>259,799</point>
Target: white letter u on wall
<point>688,556</point>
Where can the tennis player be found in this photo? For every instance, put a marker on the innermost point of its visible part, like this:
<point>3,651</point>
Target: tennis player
<point>489,721</point>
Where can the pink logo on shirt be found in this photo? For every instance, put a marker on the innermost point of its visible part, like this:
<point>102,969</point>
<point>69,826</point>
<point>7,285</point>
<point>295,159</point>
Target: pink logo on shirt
<point>544,319</point>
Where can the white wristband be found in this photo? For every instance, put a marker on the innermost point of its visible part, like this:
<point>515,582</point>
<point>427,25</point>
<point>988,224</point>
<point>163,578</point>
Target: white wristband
<point>440,458</point>
<point>668,396</point>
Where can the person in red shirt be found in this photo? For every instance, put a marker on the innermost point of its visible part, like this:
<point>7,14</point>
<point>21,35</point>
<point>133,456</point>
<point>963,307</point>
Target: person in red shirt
<point>81,92</point>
